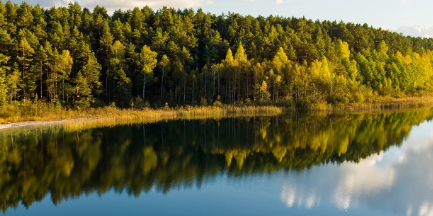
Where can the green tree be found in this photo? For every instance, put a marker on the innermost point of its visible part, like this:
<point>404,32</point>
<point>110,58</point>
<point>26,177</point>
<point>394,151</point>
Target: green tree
<point>25,58</point>
<point>91,71</point>
<point>83,93</point>
<point>3,84</point>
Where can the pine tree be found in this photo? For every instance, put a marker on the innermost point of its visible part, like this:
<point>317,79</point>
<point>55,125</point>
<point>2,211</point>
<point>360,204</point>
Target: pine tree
<point>117,65</point>
<point>25,17</point>
<point>91,71</point>
<point>105,42</point>
<point>301,61</point>
<point>40,58</point>
<point>12,81</point>
<point>83,93</point>
<point>25,54</point>
<point>3,81</point>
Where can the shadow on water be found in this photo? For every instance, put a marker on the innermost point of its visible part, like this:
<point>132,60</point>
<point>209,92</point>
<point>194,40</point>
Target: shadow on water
<point>168,155</point>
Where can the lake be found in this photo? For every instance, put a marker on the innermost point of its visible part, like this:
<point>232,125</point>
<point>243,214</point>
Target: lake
<point>300,164</point>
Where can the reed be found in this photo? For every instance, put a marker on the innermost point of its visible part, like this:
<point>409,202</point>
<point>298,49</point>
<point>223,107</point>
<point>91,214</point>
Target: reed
<point>378,103</point>
<point>111,116</point>
<point>43,112</point>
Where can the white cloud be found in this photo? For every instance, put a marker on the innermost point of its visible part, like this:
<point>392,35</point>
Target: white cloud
<point>279,1</point>
<point>416,31</point>
<point>398,181</point>
<point>127,4</point>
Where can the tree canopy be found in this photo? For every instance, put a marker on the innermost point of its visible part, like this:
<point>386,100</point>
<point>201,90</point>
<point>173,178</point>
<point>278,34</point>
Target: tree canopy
<point>78,58</point>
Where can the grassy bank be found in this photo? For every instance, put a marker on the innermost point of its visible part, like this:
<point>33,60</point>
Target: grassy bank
<point>378,103</point>
<point>136,117</point>
<point>49,112</point>
<point>141,115</point>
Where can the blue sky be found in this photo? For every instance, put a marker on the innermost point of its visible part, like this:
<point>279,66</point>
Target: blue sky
<point>411,17</point>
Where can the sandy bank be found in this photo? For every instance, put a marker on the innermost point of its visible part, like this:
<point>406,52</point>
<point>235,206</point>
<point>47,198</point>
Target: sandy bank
<point>37,123</point>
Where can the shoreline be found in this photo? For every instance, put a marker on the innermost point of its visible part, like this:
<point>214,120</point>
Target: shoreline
<point>116,116</point>
<point>37,123</point>
<point>109,116</point>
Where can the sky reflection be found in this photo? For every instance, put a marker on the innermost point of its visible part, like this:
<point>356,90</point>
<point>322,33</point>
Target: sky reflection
<point>399,181</point>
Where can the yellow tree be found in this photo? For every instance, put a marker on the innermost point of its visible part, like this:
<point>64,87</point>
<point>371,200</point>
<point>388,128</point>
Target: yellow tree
<point>262,92</point>
<point>229,64</point>
<point>147,62</point>
<point>163,63</point>
<point>241,61</point>
<point>64,68</point>
<point>279,62</point>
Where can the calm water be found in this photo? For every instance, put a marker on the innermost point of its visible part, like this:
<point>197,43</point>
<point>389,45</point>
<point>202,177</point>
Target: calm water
<point>363,164</point>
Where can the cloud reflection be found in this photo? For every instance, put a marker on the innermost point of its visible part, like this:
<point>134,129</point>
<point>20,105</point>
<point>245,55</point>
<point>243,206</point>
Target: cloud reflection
<point>398,181</point>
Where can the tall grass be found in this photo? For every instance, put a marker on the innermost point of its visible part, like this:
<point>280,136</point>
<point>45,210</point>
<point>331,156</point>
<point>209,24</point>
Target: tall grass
<point>378,103</point>
<point>40,112</point>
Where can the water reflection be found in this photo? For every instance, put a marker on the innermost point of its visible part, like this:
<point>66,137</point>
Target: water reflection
<point>180,154</point>
<point>399,180</point>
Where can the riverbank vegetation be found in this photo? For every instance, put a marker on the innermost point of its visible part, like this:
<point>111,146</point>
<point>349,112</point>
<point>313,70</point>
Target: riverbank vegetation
<point>74,58</point>
<point>45,112</point>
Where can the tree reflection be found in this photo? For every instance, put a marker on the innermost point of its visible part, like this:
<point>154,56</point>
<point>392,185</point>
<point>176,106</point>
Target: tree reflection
<point>175,154</point>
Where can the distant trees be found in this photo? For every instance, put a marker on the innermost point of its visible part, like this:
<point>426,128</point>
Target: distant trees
<point>189,57</point>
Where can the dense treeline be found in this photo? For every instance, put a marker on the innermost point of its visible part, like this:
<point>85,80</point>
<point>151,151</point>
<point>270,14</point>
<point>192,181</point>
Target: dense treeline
<point>168,155</point>
<point>77,58</point>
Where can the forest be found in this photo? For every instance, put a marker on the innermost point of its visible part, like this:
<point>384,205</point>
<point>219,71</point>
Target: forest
<point>76,58</point>
<point>67,163</point>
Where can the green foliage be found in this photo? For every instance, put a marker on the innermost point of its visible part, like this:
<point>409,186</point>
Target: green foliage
<point>301,61</point>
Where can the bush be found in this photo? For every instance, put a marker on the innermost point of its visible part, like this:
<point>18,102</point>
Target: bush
<point>218,103</point>
<point>203,101</point>
<point>358,98</point>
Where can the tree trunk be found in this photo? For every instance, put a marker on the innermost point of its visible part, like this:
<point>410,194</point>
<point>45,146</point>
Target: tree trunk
<point>162,82</point>
<point>248,95</point>
<point>255,83</point>
<point>144,85</point>
<point>106,86</point>
<point>55,85</point>
<point>184,89</point>
<point>41,79</point>
<point>218,83</point>
<point>205,87</point>
<point>273,93</point>
<point>24,82</point>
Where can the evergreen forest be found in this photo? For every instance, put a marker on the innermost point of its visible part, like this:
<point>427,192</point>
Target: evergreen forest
<point>74,57</point>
